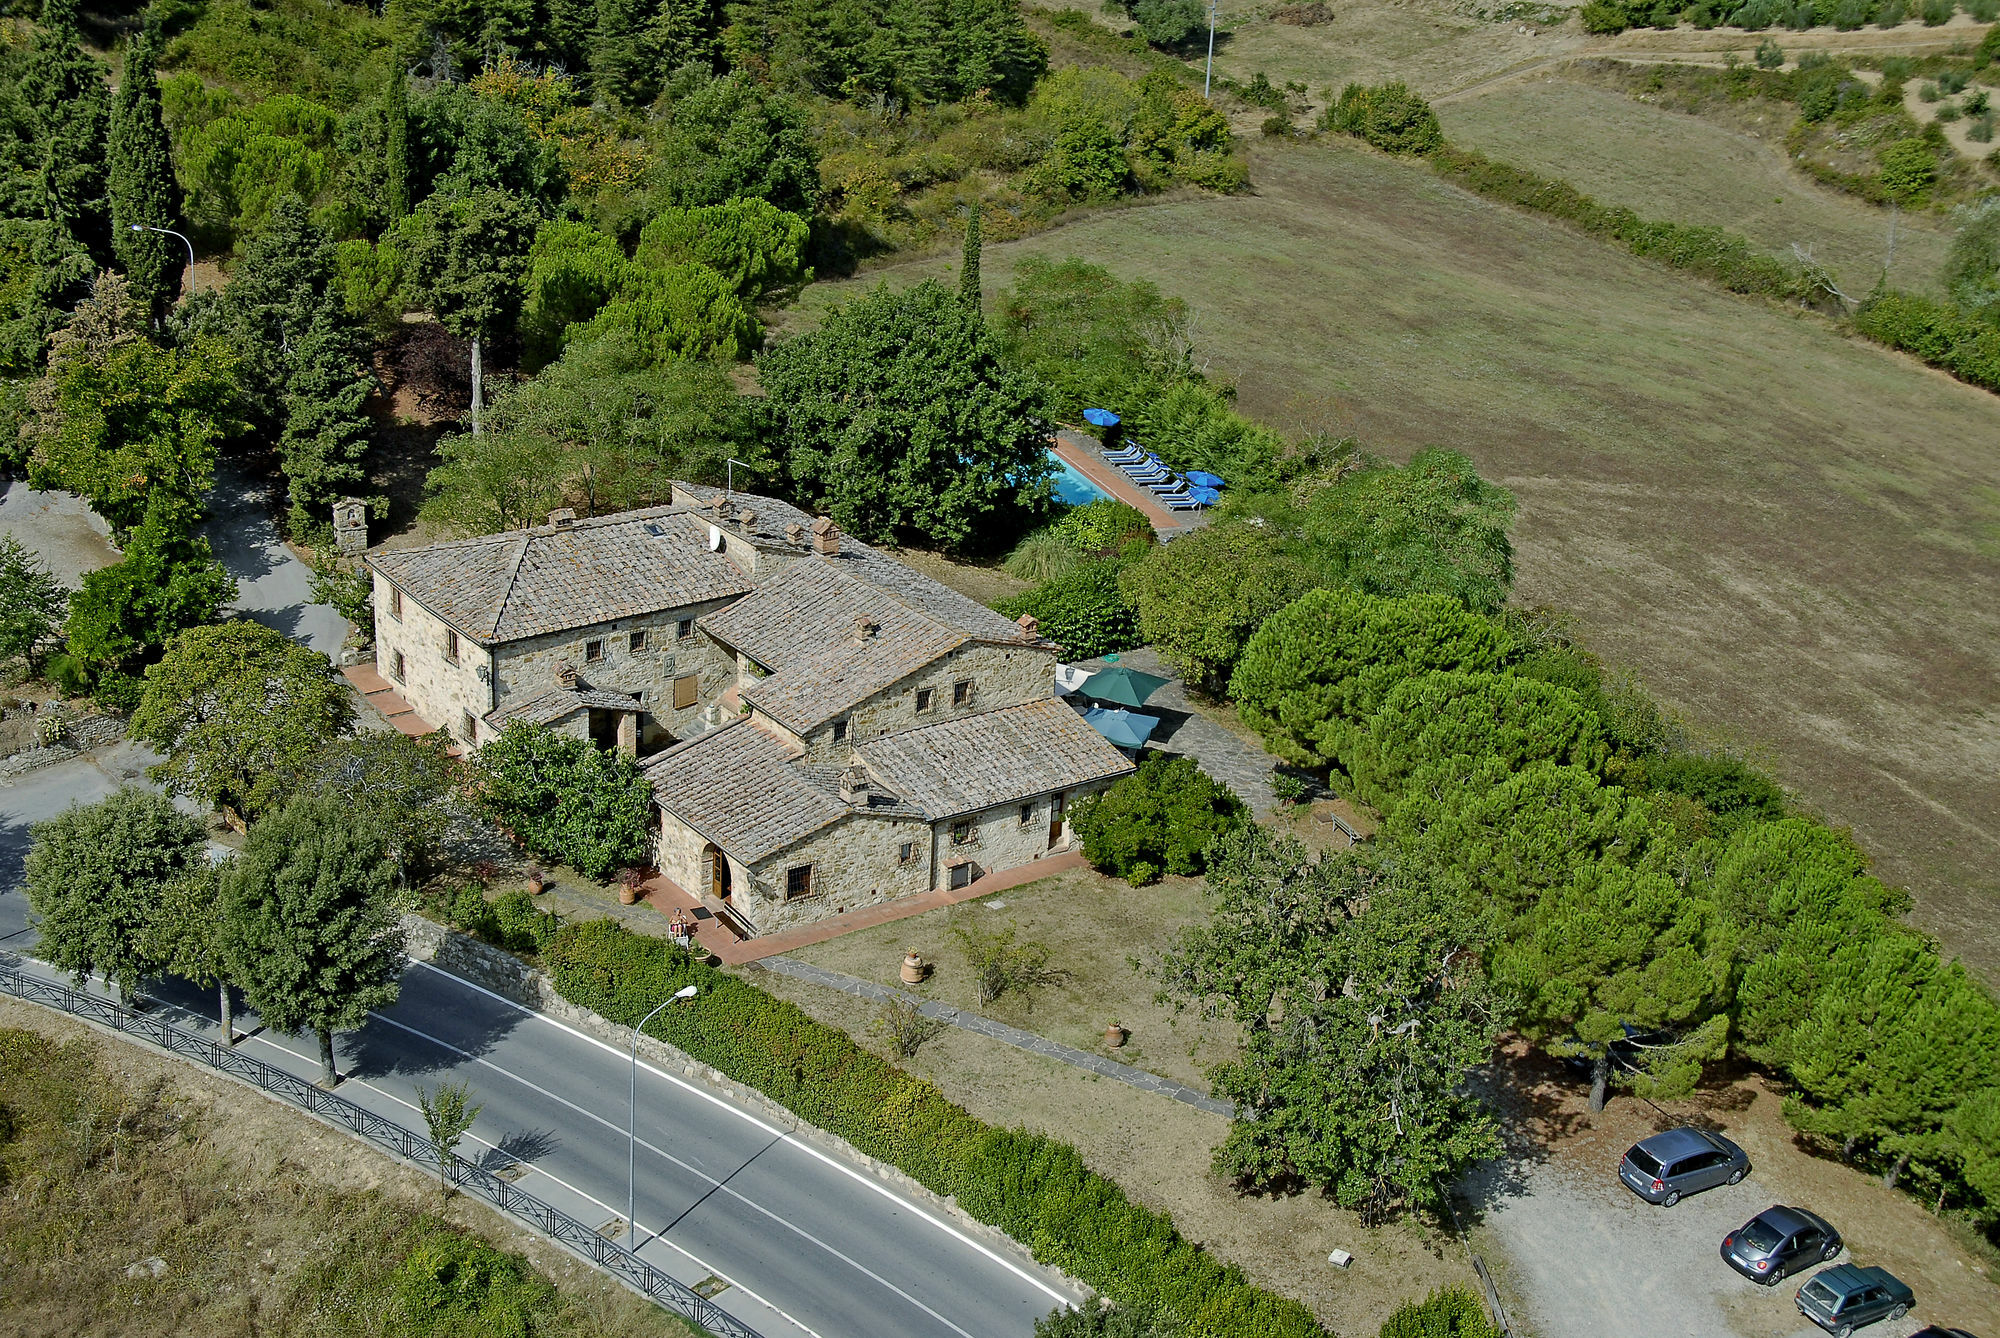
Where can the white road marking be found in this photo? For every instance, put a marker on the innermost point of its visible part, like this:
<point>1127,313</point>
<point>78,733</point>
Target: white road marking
<point>807,1148</point>
<point>855,1264</point>
<point>692,1258</point>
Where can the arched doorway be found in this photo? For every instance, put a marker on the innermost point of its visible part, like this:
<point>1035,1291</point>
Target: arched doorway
<point>715,872</point>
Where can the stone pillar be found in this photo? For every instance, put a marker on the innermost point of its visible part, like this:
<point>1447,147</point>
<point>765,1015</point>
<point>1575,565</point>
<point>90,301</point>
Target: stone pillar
<point>628,733</point>
<point>350,526</point>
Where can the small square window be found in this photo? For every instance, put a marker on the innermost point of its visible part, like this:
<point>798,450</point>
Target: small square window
<point>798,882</point>
<point>961,692</point>
<point>468,728</point>
<point>840,731</point>
<point>395,602</point>
<point>396,667</point>
<point>923,699</point>
<point>906,852</point>
<point>961,832</point>
<point>686,629</point>
<point>1027,814</point>
<point>639,640</point>
<point>687,691</point>
<point>961,875</point>
<point>593,651</point>
<point>451,645</point>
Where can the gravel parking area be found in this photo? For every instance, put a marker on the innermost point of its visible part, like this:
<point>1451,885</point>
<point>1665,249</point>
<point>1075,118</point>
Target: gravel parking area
<point>1584,1258</point>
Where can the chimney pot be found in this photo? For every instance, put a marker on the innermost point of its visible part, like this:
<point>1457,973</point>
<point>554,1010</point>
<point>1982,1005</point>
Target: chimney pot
<point>854,786</point>
<point>795,534</point>
<point>865,628</point>
<point>826,538</point>
<point>562,518</point>
<point>566,676</point>
<point>746,517</point>
<point>1029,627</point>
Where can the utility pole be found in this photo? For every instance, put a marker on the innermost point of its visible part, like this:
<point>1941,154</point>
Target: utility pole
<point>1209,72</point>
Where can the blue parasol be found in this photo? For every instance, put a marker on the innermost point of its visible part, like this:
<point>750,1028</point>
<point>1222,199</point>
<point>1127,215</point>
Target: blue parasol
<point>1202,478</point>
<point>1100,418</point>
<point>1124,728</point>
<point>1206,496</point>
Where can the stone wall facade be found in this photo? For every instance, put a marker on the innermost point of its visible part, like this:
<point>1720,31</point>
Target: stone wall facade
<point>999,676</point>
<point>1000,840</point>
<point>532,665</point>
<point>856,862</point>
<point>444,693</point>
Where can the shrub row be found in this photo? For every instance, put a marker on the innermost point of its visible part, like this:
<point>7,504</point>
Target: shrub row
<point>1937,332</point>
<point>1714,253</point>
<point>1032,1187</point>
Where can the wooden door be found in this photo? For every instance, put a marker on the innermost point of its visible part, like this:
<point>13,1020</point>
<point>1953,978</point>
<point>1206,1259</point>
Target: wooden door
<point>1056,807</point>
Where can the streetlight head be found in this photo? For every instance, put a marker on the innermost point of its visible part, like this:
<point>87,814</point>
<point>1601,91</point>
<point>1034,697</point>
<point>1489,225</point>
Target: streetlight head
<point>138,227</point>
<point>687,991</point>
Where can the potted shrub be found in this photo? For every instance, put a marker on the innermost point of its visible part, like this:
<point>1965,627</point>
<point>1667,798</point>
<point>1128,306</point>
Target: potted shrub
<point>630,881</point>
<point>537,880</point>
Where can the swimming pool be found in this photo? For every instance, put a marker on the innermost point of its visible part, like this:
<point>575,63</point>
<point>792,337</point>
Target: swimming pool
<point>1070,486</point>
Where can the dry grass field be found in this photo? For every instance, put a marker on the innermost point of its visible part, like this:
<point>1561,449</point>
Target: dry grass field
<point>145,1197</point>
<point>1792,536</point>
<point>1666,164</point>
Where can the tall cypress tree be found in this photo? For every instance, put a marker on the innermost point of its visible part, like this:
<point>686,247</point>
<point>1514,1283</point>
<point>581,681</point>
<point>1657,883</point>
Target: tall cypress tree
<point>968,269</point>
<point>396,110</point>
<point>68,105</point>
<point>142,186</point>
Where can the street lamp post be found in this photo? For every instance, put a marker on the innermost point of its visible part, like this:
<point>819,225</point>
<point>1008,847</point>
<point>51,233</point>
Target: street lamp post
<point>682,995</point>
<point>145,227</point>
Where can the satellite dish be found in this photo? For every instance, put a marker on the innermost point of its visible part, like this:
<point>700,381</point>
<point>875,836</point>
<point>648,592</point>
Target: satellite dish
<point>714,539</point>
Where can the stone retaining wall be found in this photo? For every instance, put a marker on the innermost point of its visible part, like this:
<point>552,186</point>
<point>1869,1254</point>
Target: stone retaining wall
<point>85,733</point>
<point>511,978</point>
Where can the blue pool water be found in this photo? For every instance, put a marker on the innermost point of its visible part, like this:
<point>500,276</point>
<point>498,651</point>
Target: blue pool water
<point>1072,487</point>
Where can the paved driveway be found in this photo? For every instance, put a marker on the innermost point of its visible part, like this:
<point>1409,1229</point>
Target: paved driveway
<point>273,586</point>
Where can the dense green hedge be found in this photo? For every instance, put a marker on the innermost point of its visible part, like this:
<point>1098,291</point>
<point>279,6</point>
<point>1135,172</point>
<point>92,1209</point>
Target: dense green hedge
<point>1034,1188</point>
<point>1937,332</point>
<point>1714,253</point>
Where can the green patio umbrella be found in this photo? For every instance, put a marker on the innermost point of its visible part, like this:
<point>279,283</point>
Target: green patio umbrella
<point>1122,727</point>
<point>1127,687</point>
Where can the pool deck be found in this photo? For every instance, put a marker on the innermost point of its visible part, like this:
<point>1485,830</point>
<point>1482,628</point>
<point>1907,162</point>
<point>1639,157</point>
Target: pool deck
<point>1083,454</point>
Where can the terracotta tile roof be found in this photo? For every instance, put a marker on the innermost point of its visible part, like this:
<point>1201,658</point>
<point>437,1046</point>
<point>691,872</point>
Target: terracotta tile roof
<point>546,708</point>
<point>737,786</point>
<point>503,587</point>
<point>996,757</point>
<point>808,693</point>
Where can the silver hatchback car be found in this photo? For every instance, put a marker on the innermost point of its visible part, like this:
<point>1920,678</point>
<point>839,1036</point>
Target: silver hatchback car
<point>1666,1167</point>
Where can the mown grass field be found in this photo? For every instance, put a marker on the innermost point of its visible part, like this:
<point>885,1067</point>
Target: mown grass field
<point>1792,536</point>
<point>1666,164</point>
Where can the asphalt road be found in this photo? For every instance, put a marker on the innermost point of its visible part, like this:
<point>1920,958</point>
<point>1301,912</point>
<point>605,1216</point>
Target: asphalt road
<point>798,1241</point>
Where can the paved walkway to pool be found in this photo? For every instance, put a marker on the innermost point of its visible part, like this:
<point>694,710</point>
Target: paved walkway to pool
<point>1082,453</point>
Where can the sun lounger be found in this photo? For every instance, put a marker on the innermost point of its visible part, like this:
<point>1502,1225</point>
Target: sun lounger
<point>1185,502</point>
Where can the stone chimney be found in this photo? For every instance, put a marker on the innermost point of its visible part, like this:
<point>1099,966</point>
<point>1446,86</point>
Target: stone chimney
<point>826,539</point>
<point>854,786</point>
<point>1029,627</point>
<point>865,628</point>
<point>719,504</point>
<point>746,517</point>
<point>795,534</point>
<point>566,677</point>
<point>562,518</point>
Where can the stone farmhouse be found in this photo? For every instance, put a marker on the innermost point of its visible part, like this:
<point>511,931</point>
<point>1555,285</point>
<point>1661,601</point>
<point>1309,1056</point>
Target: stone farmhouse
<point>824,727</point>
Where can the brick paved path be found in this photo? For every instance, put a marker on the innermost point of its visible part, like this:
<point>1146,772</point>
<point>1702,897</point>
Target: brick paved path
<point>1000,1031</point>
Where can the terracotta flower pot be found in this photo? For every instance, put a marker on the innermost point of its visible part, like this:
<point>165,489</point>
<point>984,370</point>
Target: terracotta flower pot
<point>628,895</point>
<point>1114,1036</point>
<point>913,970</point>
<point>536,882</point>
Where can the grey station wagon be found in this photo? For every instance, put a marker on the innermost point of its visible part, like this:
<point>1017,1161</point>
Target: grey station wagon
<point>1664,1168</point>
<point>1843,1298</point>
<point>1779,1241</point>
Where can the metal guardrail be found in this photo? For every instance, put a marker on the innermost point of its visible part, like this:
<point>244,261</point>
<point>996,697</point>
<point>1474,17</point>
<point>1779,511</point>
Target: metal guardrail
<point>667,1292</point>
